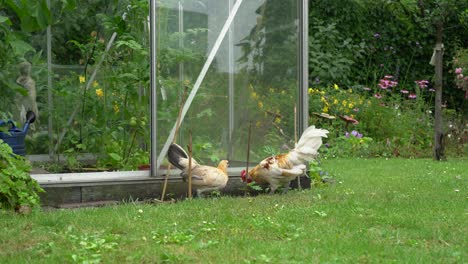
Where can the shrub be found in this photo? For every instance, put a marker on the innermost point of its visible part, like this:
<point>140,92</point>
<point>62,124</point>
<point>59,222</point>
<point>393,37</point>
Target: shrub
<point>17,188</point>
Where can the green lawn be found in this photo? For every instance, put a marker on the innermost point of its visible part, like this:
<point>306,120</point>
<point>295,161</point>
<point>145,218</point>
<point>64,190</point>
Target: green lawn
<point>378,211</point>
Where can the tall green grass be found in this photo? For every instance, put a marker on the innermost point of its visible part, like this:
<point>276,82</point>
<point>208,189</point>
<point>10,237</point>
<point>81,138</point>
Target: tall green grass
<point>378,211</point>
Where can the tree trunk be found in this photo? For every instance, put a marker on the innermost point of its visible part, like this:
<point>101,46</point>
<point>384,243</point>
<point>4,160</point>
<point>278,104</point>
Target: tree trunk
<point>438,134</point>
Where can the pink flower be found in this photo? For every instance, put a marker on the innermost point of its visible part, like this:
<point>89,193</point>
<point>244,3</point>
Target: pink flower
<point>458,70</point>
<point>404,91</point>
<point>378,96</point>
<point>386,83</point>
<point>412,96</point>
<point>422,83</point>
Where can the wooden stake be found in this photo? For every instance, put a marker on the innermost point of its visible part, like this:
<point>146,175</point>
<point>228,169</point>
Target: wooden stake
<point>189,147</point>
<point>248,150</point>
<point>295,123</point>
<point>173,141</point>
<point>295,142</point>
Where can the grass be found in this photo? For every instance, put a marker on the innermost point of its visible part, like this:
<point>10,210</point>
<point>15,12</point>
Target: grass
<point>378,211</point>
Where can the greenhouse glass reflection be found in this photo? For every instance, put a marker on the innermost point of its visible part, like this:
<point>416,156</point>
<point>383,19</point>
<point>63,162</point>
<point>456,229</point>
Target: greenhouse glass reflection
<point>88,83</point>
<point>253,79</point>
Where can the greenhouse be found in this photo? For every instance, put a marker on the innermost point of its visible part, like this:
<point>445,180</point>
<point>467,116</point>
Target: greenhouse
<point>112,94</point>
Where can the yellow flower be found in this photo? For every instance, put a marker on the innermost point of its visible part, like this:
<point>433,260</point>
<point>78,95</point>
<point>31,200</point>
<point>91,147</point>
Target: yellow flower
<point>82,79</point>
<point>99,92</point>
<point>277,120</point>
<point>335,101</point>
<point>260,104</point>
<point>344,103</point>
<point>95,84</point>
<point>311,90</point>
<point>350,105</point>
<point>254,95</point>
<point>336,86</point>
<point>323,99</point>
<point>271,90</point>
<point>325,109</point>
<point>258,124</point>
<point>322,92</point>
<point>283,91</point>
<point>350,90</point>
<point>116,108</point>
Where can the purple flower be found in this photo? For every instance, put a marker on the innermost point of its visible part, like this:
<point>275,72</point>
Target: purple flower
<point>412,96</point>
<point>354,133</point>
<point>327,145</point>
<point>359,135</point>
<point>376,35</point>
<point>404,91</point>
<point>458,70</point>
<point>347,135</point>
<point>378,96</point>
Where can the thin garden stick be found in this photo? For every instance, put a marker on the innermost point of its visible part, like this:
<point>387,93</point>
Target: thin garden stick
<point>189,147</point>
<point>248,150</point>
<point>173,141</point>
<point>295,142</point>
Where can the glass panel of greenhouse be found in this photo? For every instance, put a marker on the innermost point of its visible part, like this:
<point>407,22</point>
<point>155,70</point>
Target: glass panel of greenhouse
<point>86,77</point>
<point>253,78</point>
<point>83,68</point>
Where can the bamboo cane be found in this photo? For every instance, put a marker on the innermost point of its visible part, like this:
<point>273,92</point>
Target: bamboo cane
<point>295,142</point>
<point>189,147</point>
<point>173,141</point>
<point>248,151</point>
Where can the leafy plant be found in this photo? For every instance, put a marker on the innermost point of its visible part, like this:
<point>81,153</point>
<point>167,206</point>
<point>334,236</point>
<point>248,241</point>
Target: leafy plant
<point>17,188</point>
<point>88,248</point>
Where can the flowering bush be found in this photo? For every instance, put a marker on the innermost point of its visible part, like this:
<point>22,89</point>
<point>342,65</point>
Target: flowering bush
<point>398,119</point>
<point>461,70</point>
<point>351,144</point>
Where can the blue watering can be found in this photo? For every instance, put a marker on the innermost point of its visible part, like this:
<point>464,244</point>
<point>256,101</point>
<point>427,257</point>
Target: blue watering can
<point>15,136</point>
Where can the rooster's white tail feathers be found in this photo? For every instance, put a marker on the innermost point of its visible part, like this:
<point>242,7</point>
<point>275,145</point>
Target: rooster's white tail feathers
<point>309,143</point>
